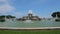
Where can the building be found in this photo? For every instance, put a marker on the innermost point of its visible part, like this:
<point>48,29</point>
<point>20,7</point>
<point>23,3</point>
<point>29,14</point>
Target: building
<point>29,17</point>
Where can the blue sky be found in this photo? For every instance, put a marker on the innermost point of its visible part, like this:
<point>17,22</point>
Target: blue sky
<point>19,8</point>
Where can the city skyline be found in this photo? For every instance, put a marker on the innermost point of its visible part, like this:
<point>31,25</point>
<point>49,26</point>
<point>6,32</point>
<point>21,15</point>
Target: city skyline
<point>19,8</point>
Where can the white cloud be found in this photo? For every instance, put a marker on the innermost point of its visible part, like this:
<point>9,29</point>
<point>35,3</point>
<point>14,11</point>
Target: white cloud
<point>5,7</point>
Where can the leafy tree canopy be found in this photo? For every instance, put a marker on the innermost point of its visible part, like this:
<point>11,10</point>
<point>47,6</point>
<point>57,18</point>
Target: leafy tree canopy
<point>54,14</point>
<point>7,16</point>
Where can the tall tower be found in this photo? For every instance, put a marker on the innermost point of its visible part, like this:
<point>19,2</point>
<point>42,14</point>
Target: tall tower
<point>30,13</point>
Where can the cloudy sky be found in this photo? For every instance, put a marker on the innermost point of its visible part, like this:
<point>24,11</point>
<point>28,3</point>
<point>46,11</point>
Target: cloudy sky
<point>19,8</point>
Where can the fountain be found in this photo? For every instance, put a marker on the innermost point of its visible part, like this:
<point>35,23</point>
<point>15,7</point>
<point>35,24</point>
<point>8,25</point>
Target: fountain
<point>28,21</point>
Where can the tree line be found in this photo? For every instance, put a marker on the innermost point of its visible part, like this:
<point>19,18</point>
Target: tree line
<point>6,16</point>
<point>10,16</point>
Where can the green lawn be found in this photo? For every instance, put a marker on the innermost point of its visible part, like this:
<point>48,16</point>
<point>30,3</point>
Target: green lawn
<point>29,31</point>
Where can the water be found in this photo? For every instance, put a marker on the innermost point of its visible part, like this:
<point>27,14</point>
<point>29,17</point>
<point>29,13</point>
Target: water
<point>42,23</point>
<point>28,21</point>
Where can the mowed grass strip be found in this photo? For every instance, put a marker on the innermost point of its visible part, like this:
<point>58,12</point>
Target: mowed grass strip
<point>29,31</point>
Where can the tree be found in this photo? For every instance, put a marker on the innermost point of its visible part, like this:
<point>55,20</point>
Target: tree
<point>2,16</point>
<point>54,14</point>
<point>7,16</point>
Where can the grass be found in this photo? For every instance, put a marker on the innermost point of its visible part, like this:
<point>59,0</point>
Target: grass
<point>29,31</point>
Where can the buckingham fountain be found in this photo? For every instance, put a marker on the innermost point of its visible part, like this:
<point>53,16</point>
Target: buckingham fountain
<point>30,21</point>
<point>30,17</point>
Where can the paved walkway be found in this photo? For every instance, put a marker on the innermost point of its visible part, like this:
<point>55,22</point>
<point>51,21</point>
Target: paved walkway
<point>30,28</point>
